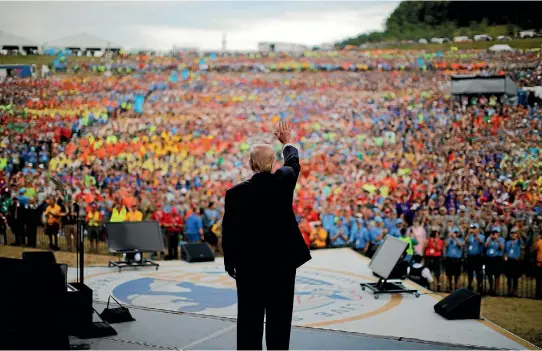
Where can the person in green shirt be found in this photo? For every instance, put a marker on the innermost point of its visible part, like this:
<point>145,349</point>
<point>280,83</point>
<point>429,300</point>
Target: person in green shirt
<point>408,237</point>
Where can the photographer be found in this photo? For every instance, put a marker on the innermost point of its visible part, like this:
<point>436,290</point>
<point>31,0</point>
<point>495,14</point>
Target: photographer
<point>494,259</point>
<point>418,273</point>
<point>475,241</point>
<point>454,244</point>
<point>512,259</point>
<point>433,254</point>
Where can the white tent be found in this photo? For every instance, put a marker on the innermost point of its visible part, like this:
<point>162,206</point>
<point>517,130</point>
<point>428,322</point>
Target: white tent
<point>10,40</point>
<point>537,91</point>
<point>501,47</point>
<point>82,41</point>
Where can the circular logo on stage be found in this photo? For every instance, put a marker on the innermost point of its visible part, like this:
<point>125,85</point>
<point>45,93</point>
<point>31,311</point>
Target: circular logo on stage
<point>322,296</point>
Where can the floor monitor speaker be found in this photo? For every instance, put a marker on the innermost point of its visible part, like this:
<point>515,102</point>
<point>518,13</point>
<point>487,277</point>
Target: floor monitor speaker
<point>197,253</point>
<point>462,304</point>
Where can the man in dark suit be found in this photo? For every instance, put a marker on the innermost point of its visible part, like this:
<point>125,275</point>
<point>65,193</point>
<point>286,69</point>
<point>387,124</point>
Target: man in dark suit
<point>263,246</point>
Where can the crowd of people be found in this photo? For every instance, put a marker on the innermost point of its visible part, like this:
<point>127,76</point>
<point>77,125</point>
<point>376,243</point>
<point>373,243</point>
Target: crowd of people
<point>385,148</point>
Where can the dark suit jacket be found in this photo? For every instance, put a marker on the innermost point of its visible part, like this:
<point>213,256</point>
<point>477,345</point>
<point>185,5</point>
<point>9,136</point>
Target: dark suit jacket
<point>259,229</point>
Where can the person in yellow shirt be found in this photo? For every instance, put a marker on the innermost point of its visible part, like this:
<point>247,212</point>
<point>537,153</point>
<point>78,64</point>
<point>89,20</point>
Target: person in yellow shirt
<point>118,213</point>
<point>318,236</point>
<point>94,220</point>
<point>134,214</point>
<point>52,222</point>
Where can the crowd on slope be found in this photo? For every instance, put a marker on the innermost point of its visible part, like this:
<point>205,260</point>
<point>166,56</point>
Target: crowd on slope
<point>383,153</point>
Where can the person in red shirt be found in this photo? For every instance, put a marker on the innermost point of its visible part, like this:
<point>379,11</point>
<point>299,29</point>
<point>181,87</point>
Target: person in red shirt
<point>310,214</point>
<point>173,232</point>
<point>433,254</point>
<point>158,216</point>
<point>306,230</point>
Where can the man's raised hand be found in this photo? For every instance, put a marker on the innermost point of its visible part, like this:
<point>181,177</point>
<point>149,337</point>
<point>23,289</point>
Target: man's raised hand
<point>284,133</point>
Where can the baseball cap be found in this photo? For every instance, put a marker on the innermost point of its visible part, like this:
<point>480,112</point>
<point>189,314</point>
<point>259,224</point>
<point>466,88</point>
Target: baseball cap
<point>496,230</point>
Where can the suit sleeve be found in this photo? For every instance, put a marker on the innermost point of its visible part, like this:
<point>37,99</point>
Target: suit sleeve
<point>291,168</point>
<point>228,234</point>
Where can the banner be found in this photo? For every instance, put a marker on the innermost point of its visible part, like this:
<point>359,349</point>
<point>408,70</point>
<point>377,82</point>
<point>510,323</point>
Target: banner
<point>139,100</point>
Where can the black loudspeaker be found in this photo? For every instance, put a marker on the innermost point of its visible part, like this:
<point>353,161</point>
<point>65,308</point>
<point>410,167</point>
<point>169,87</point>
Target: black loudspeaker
<point>32,306</point>
<point>39,256</point>
<point>197,253</point>
<point>79,302</point>
<point>462,304</point>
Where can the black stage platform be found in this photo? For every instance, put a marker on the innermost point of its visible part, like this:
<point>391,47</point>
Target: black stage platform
<point>165,330</point>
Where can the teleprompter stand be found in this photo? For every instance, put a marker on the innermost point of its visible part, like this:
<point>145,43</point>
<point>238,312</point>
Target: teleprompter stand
<point>133,239</point>
<point>387,263</point>
<point>133,263</point>
<point>385,287</point>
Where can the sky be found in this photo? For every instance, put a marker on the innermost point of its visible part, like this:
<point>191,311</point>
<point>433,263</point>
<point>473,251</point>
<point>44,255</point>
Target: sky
<point>195,24</point>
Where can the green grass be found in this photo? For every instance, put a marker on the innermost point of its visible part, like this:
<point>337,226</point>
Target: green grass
<point>531,43</point>
<point>42,59</point>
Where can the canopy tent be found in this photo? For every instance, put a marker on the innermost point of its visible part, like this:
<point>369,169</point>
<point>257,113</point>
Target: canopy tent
<point>536,90</point>
<point>10,41</point>
<point>83,42</point>
<point>501,47</point>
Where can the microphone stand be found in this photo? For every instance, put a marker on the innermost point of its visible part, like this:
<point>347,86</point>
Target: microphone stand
<point>80,230</point>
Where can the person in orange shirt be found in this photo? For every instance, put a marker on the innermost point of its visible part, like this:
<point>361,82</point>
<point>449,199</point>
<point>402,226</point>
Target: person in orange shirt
<point>52,225</point>
<point>318,236</point>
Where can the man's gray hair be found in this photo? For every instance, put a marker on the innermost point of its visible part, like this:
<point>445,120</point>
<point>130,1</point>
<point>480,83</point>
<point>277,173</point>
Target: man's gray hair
<point>262,158</point>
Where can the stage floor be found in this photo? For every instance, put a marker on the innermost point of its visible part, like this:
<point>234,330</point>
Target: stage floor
<point>330,310</point>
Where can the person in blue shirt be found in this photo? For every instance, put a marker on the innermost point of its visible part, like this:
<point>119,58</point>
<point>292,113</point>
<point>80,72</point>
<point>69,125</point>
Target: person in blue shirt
<point>454,251</point>
<point>494,258</point>
<point>328,220</point>
<point>392,223</point>
<point>475,247</point>
<point>512,256</point>
<point>339,235</point>
<point>193,228</point>
<point>212,214</point>
<point>376,235</point>
<point>359,238</point>
<point>395,231</point>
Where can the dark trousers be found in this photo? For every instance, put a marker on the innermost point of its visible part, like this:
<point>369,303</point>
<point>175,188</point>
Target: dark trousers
<point>18,231</point>
<point>259,295</point>
<point>31,233</point>
<point>52,232</point>
<point>173,244</point>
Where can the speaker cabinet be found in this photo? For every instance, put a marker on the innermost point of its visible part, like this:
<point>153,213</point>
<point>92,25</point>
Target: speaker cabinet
<point>32,306</point>
<point>79,312</point>
<point>39,256</point>
<point>462,304</point>
<point>197,253</point>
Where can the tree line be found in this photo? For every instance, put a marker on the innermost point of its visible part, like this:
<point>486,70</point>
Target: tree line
<point>412,20</point>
